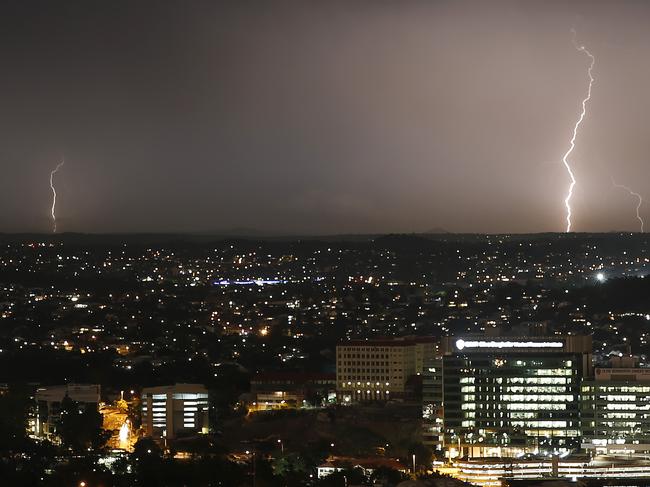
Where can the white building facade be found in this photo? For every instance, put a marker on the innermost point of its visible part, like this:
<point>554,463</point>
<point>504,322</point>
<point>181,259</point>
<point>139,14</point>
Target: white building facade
<point>175,410</point>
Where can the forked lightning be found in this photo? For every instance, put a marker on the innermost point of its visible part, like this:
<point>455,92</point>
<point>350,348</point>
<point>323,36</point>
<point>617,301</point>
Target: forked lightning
<point>572,144</point>
<point>53,210</point>
<point>639,201</point>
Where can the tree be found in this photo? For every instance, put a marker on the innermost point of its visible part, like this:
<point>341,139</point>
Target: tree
<point>79,469</point>
<point>449,481</point>
<point>80,426</point>
<point>388,476</point>
<point>13,419</point>
<point>147,462</point>
<point>423,455</point>
<point>288,463</point>
<point>342,478</point>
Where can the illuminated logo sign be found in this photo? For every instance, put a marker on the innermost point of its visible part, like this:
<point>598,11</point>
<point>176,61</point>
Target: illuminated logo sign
<point>463,344</point>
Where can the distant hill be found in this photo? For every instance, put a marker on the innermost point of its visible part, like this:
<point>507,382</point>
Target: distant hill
<point>250,235</point>
<point>436,230</point>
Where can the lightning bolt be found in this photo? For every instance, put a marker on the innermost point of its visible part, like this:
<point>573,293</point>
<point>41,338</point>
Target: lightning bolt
<point>572,144</point>
<point>635,194</point>
<point>53,210</point>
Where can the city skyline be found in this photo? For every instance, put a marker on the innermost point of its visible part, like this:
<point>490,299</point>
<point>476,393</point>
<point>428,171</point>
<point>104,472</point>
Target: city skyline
<point>346,243</point>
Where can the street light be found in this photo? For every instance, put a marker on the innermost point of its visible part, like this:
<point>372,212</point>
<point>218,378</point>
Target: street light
<point>251,454</point>
<point>281,445</point>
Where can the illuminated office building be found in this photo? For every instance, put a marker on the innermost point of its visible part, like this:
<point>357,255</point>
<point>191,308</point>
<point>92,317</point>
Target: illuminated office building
<point>379,370</point>
<point>616,411</point>
<point>504,396</point>
<point>176,410</point>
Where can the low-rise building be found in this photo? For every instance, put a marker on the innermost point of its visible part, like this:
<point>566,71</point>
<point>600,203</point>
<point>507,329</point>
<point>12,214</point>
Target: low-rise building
<point>368,465</point>
<point>272,390</point>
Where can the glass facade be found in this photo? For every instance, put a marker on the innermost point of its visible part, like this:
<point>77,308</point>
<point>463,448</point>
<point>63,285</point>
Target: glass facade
<point>502,403</point>
<point>616,416</point>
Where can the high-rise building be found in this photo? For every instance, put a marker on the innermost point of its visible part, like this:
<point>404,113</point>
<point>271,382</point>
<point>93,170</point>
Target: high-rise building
<point>371,370</point>
<point>175,410</point>
<point>616,411</point>
<point>504,396</point>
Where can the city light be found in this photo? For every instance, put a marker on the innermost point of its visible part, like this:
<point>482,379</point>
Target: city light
<point>301,242</point>
<point>124,434</point>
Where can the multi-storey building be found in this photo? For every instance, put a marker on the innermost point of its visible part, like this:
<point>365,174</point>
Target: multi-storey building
<point>616,411</point>
<point>553,471</point>
<point>371,370</point>
<point>48,406</point>
<point>503,396</point>
<point>291,389</point>
<point>176,410</point>
<point>432,411</point>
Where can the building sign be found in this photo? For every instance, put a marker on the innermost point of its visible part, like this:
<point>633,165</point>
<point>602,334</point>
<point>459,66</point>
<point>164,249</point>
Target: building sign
<point>493,344</point>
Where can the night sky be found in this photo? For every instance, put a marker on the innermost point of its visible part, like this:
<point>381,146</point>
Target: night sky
<point>321,117</point>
